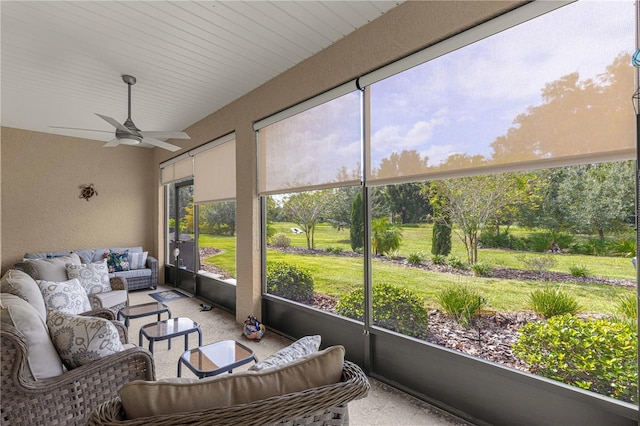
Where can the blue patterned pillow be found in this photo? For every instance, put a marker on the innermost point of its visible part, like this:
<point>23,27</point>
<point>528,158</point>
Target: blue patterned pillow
<point>117,261</point>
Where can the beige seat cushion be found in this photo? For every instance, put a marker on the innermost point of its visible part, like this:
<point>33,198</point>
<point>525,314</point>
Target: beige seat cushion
<point>22,285</point>
<point>110,299</point>
<point>169,396</point>
<point>42,359</point>
<point>55,268</point>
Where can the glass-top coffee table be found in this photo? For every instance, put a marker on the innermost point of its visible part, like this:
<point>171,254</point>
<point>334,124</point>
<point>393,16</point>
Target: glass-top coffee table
<point>143,310</point>
<point>168,329</point>
<point>215,358</point>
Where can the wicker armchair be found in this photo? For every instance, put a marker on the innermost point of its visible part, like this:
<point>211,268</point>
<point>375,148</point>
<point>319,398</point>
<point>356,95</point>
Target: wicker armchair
<point>325,405</point>
<point>70,398</point>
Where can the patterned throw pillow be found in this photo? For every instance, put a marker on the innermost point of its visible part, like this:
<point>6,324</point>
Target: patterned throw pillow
<point>138,260</point>
<point>68,296</point>
<point>117,261</point>
<point>80,340</point>
<point>93,277</point>
<point>301,347</point>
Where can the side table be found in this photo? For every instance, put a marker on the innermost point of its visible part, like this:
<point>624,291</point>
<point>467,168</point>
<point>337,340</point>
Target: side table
<point>167,329</point>
<point>143,310</point>
<point>216,358</point>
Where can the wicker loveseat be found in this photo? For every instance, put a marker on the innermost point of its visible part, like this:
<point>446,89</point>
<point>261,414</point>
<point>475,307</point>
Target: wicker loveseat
<point>70,398</point>
<point>324,405</point>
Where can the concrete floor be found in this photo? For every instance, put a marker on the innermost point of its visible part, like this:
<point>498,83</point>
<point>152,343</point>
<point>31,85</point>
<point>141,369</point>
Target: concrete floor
<point>383,406</point>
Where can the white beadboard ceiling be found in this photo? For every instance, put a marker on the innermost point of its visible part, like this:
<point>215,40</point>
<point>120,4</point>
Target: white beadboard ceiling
<point>61,61</point>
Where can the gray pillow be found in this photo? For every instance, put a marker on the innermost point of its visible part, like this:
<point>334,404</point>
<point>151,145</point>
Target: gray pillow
<point>301,347</point>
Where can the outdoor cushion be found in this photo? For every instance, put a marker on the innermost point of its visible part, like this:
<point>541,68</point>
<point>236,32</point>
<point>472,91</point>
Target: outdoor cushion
<point>138,260</point>
<point>132,273</point>
<point>53,269</point>
<point>301,347</point>
<point>117,260</point>
<point>168,396</point>
<point>93,277</point>
<point>22,285</point>
<point>43,361</point>
<point>80,340</point>
<point>67,296</point>
<point>111,298</point>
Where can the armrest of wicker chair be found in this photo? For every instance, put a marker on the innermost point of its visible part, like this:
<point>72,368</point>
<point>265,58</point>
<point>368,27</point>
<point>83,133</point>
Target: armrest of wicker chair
<point>71,397</point>
<point>325,405</point>
<point>118,283</point>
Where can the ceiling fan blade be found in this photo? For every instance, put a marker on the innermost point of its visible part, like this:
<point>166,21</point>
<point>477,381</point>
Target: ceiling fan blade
<point>160,144</point>
<point>78,128</point>
<point>165,135</point>
<point>114,123</point>
<point>113,142</point>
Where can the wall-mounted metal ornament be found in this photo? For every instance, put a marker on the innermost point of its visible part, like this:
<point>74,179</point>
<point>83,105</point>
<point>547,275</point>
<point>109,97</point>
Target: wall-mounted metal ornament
<point>87,191</point>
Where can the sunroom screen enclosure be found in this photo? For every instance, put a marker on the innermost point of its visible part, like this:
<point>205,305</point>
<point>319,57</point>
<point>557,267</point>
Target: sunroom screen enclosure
<point>551,92</point>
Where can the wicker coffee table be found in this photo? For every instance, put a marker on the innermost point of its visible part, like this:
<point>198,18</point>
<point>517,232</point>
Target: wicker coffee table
<point>215,358</point>
<point>143,310</point>
<point>168,329</point>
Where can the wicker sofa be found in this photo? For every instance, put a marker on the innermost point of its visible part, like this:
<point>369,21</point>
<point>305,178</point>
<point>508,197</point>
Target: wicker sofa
<point>323,405</point>
<point>146,277</point>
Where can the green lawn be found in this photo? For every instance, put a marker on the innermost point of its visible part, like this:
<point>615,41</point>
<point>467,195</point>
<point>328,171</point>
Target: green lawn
<point>336,275</point>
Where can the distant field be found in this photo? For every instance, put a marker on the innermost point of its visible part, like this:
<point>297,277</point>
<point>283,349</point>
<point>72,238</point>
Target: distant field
<point>336,275</point>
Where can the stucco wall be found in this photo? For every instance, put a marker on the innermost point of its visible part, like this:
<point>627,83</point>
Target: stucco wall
<point>41,208</point>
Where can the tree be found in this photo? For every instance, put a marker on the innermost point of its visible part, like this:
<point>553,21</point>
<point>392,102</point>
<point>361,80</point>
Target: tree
<point>306,209</point>
<point>339,209</point>
<point>356,229</point>
<point>218,218</point>
<point>473,201</point>
<point>406,200</point>
<point>441,241</point>
<point>597,198</point>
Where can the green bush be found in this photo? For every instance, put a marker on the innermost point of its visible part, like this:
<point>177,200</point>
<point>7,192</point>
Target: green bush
<point>289,281</point>
<point>334,250</point>
<point>457,263</point>
<point>481,269</point>
<point>441,241</point>
<point>462,302</point>
<point>281,239</point>
<point>628,306</point>
<point>392,254</point>
<point>597,355</point>
<point>489,238</point>
<point>622,247</point>
<point>591,247</point>
<point>385,237</point>
<point>394,308</point>
<point>579,271</point>
<point>541,264</point>
<point>552,301</point>
<point>439,259</point>
<point>415,258</point>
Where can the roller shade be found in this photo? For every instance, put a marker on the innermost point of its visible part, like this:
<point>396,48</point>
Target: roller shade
<point>319,147</point>
<point>490,107</point>
<point>177,170</point>
<point>215,173</point>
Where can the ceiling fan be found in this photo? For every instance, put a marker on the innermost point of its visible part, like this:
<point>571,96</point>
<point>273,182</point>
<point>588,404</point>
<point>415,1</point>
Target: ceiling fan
<point>128,134</point>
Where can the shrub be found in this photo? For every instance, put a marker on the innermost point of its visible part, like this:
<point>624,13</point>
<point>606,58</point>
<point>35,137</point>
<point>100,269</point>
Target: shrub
<point>542,241</point>
<point>415,258</point>
<point>439,259</point>
<point>385,237</point>
<point>552,301</point>
<point>622,247</point>
<point>597,355</point>
<point>628,306</point>
<point>441,241</point>
<point>579,271</point>
<point>462,302</point>
<point>394,308</point>
<point>481,269</point>
<point>489,238</point>
<point>334,250</point>
<point>457,263</point>
<point>289,281</point>
<point>591,247</point>
<point>281,239</point>
<point>392,254</point>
